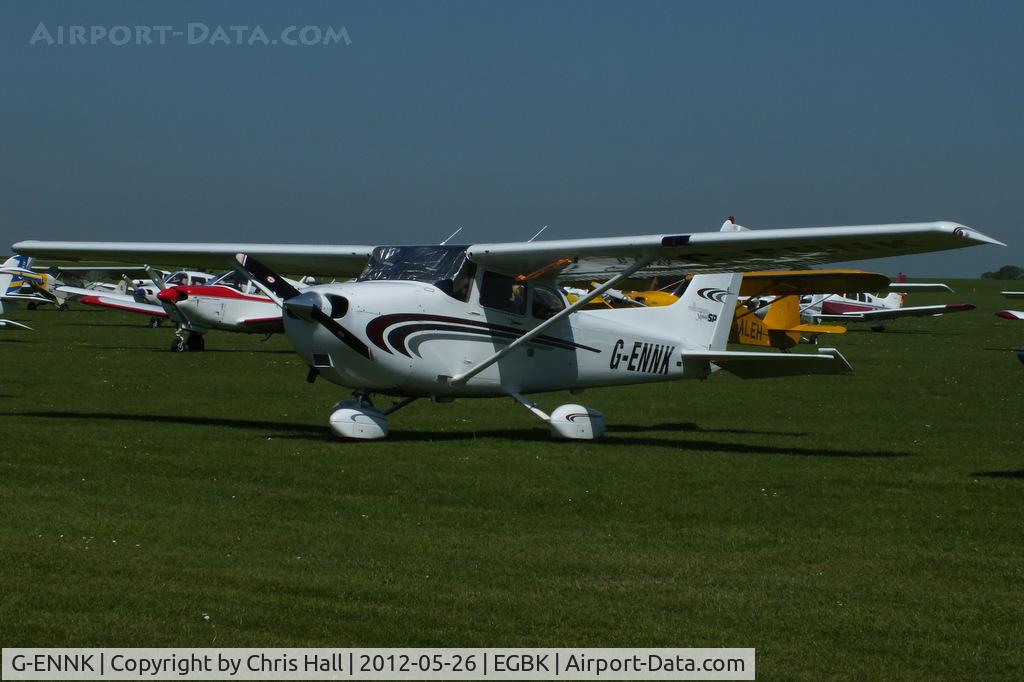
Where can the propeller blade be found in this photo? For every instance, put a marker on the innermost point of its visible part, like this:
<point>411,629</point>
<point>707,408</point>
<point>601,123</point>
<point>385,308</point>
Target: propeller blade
<point>256,270</point>
<point>305,305</point>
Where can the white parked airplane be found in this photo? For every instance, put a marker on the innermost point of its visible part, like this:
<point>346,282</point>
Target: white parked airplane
<point>1012,314</point>
<point>227,303</point>
<point>21,283</point>
<point>876,308</point>
<point>488,320</point>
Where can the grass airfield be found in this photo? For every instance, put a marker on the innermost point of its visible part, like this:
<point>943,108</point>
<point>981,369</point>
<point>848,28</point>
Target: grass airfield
<point>845,527</point>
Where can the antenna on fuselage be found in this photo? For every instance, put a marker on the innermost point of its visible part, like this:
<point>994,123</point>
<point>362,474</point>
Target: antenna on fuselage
<point>536,235</point>
<point>448,239</point>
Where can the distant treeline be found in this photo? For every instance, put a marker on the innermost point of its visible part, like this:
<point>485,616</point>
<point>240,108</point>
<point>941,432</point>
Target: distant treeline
<point>1005,272</point>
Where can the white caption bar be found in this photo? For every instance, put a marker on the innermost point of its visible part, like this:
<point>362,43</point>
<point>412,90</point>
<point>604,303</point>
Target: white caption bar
<point>378,664</point>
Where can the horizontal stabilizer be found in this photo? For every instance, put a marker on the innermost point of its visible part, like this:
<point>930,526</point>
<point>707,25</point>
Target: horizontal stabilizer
<point>748,365</point>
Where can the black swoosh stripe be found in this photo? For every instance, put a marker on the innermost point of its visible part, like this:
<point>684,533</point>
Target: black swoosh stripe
<point>376,329</point>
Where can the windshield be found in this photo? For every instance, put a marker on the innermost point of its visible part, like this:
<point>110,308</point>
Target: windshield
<point>430,264</point>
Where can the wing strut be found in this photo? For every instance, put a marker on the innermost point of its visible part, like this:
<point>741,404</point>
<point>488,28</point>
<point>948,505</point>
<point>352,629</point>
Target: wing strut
<point>460,379</point>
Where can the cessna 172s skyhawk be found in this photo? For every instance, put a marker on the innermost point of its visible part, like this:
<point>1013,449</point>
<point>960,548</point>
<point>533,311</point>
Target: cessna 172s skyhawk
<point>488,320</point>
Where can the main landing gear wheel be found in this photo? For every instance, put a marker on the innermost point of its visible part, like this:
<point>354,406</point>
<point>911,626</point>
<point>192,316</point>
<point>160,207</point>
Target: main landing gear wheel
<point>359,420</point>
<point>193,343</point>
<point>572,422</point>
<point>878,327</point>
<point>31,306</point>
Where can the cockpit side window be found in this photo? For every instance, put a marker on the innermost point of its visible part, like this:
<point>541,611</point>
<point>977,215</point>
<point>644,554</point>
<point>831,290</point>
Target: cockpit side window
<point>546,302</point>
<point>503,293</point>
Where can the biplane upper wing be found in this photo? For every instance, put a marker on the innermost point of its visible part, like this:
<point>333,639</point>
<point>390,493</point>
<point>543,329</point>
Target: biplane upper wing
<point>307,259</point>
<point>726,251</point>
<point>800,282</point>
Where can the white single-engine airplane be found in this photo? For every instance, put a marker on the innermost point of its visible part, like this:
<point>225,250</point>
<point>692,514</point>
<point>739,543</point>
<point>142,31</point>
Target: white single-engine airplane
<point>488,320</point>
<point>876,308</point>
<point>226,303</point>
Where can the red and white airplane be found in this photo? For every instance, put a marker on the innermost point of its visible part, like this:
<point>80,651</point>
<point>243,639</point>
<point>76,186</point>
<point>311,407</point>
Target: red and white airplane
<point>876,308</point>
<point>229,302</point>
<point>1011,314</point>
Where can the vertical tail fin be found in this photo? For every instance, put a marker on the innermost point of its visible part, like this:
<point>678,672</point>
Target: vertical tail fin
<point>708,305</point>
<point>9,283</point>
<point>707,308</point>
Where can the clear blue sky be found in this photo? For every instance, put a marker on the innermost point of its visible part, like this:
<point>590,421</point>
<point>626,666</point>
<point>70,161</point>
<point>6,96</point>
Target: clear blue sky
<point>596,118</point>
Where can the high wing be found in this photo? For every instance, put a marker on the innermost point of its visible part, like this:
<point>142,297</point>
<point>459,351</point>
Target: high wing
<point>113,301</point>
<point>893,313</point>
<point>744,250</point>
<point>306,259</point>
<point>571,259</point>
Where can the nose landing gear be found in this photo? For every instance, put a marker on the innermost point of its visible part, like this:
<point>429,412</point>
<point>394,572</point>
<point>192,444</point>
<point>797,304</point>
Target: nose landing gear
<point>358,419</point>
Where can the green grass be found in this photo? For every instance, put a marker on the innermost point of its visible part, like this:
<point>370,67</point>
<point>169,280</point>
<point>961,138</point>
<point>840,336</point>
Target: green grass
<point>845,527</point>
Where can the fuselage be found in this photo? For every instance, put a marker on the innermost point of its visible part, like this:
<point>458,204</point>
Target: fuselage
<point>418,336</point>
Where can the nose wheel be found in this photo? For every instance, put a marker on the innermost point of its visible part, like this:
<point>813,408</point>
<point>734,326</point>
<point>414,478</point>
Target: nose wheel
<point>358,419</point>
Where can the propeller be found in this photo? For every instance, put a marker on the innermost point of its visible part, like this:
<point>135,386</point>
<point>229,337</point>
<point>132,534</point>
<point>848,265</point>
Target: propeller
<point>307,305</point>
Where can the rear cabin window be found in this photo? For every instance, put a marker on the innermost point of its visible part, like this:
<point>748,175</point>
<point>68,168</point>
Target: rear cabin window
<point>502,292</point>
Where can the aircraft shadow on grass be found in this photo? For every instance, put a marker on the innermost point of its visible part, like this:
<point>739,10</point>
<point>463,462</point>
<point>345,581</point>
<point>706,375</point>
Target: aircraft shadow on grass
<point>185,420</point>
<point>282,351</point>
<point>1000,474</point>
<point>290,430</point>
